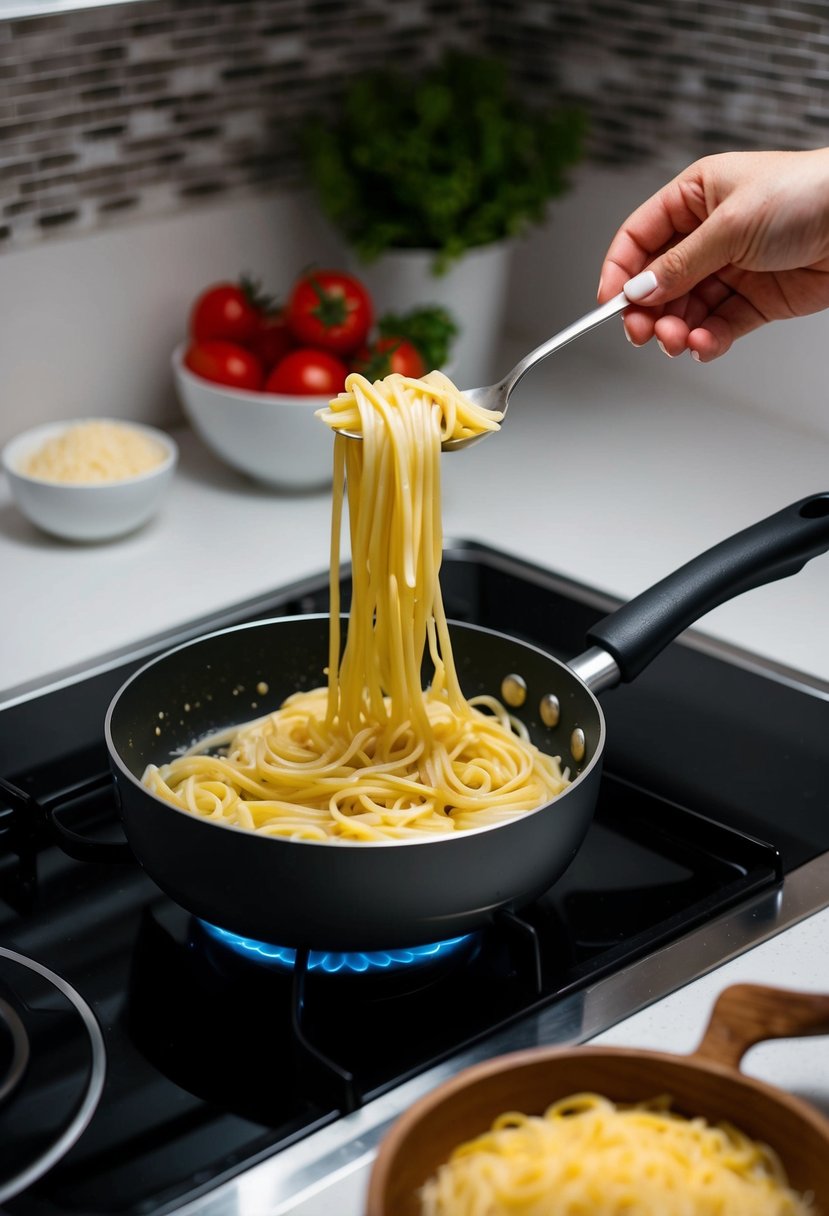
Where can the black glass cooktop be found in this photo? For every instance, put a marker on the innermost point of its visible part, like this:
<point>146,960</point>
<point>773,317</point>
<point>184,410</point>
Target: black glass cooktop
<point>219,1052</point>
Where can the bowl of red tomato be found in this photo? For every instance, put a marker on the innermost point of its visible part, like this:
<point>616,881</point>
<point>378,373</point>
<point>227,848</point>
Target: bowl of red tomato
<point>252,373</point>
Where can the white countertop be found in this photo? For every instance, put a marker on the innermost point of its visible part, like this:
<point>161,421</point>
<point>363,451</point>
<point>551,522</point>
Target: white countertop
<point>610,469</point>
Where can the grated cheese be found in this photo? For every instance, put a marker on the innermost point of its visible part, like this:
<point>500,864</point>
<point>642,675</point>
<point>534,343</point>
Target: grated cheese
<point>93,452</point>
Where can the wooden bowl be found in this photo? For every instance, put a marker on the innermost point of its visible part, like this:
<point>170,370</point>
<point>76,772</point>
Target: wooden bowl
<point>707,1082</point>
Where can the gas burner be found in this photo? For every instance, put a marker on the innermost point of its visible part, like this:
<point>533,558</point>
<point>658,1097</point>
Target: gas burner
<point>362,976</point>
<point>52,1068</point>
<point>182,966</point>
<point>341,963</point>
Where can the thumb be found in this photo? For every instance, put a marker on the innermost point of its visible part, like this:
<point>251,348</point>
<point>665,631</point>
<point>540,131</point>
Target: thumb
<point>679,269</point>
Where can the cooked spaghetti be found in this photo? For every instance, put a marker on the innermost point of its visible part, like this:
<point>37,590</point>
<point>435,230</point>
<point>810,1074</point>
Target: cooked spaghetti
<point>373,756</point>
<point>588,1155</point>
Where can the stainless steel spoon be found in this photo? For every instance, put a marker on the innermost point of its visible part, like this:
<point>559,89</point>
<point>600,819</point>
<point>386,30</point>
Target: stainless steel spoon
<point>496,396</point>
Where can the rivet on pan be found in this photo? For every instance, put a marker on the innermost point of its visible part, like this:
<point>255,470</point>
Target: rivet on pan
<point>550,709</point>
<point>577,745</point>
<point>514,690</point>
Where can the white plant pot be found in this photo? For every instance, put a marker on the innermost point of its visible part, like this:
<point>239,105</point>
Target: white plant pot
<point>473,289</point>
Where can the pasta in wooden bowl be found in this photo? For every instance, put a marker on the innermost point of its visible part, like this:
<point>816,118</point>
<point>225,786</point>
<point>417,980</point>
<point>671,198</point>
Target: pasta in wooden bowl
<point>480,1145</point>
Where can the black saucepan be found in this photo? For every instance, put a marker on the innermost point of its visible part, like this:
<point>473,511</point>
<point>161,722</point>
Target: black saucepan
<point>382,895</point>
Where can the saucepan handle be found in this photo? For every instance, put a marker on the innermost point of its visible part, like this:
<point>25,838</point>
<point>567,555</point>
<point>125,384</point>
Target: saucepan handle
<point>745,1014</point>
<point>29,816</point>
<point>85,848</point>
<point>772,549</point>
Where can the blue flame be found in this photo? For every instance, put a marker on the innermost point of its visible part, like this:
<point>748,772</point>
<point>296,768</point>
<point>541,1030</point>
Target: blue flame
<point>333,962</point>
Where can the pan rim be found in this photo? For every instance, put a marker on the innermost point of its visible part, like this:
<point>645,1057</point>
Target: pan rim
<point>362,845</point>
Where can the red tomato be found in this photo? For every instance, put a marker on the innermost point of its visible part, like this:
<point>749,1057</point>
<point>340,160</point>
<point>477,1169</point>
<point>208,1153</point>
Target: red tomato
<point>388,355</point>
<point>330,310</point>
<point>273,339</point>
<point>307,372</point>
<point>227,312</point>
<point>225,363</point>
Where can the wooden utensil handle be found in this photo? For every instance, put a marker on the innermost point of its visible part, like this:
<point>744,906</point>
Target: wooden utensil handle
<point>745,1014</point>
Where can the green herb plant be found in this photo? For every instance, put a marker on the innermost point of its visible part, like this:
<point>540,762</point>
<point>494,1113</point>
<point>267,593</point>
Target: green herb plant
<point>447,160</point>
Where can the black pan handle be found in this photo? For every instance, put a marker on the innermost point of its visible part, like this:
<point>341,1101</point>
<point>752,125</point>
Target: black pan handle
<point>774,548</point>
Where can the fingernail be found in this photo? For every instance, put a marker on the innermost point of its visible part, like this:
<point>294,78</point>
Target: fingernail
<point>599,292</point>
<point>695,355</point>
<point>662,348</point>
<point>640,286</point>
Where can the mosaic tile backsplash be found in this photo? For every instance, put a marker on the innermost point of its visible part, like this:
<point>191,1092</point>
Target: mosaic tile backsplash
<point>119,112</point>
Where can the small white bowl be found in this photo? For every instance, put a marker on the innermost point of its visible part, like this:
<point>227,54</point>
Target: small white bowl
<point>87,511</point>
<point>275,439</point>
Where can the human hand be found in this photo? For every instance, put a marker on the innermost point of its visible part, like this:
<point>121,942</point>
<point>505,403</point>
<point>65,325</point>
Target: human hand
<point>734,241</point>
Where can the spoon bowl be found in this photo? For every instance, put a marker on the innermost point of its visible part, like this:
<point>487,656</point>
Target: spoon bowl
<point>497,396</point>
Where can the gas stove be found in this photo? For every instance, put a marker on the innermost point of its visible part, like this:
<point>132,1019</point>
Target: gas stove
<point>150,1062</point>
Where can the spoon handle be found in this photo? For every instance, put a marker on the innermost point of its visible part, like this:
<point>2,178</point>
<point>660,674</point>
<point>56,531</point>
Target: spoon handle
<point>589,321</point>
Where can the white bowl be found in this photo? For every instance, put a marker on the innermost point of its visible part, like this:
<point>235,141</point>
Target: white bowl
<point>87,511</point>
<point>275,439</point>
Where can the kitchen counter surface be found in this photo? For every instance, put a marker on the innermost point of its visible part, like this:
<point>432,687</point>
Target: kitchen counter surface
<point>610,469</point>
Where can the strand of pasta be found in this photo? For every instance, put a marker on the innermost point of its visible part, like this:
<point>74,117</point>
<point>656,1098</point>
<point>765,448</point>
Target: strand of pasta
<point>373,755</point>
